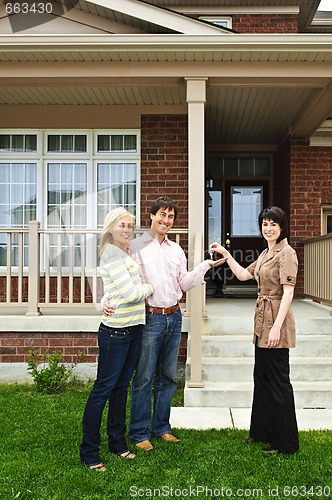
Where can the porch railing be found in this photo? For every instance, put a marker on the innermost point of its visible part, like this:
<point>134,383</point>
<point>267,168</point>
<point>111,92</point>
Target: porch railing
<point>318,268</point>
<point>52,267</point>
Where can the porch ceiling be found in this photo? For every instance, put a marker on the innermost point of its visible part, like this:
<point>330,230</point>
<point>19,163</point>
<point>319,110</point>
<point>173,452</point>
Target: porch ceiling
<point>264,88</point>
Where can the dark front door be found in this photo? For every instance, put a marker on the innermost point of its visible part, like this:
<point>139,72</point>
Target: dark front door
<point>244,200</point>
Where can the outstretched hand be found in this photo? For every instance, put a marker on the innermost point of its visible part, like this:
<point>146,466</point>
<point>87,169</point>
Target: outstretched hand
<point>216,247</point>
<point>216,263</point>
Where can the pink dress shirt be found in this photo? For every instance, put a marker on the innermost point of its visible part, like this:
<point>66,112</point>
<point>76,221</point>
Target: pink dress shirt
<point>164,266</point>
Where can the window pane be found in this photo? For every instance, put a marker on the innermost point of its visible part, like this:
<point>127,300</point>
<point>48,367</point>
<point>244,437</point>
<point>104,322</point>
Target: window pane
<point>30,143</point>
<point>4,142</point>
<point>53,143</point>
<point>5,173</point>
<point>18,143</point>
<point>129,174</point>
<point>246,167</point>
<point>117,173</point>
<point>66,193</point>
<point>329,224</point>
<point>17,172</point>
<point>262,167</point>
<point>116,185</point>
<point>129,194</point>
<point>246,205</point>
<point>104,173</point>
<point>116,142</point>
<point>214,212</point>
<point>231,167</point>
<point>130,143</point>
<point>117,195</point>
<point>67,143</point>
<point>4,194</point>
<point>16,194</point>
<point>80,143</point>
<point>103,143</point>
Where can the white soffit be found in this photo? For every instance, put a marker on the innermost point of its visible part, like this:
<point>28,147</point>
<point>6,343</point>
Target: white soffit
<point>323,135</point>
<point>159,16</point>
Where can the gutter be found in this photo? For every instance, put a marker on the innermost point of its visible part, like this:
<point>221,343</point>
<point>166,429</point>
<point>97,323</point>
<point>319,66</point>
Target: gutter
<point>235,42</point>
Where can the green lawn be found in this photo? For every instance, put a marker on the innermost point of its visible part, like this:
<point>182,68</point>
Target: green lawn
<point>40,436</point>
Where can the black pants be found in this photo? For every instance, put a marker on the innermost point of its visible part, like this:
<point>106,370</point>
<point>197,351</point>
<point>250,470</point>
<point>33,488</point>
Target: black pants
<point>273,418</point>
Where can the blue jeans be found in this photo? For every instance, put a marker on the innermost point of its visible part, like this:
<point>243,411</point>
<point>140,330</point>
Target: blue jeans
<point>119,351</point>
<point>159,355</point>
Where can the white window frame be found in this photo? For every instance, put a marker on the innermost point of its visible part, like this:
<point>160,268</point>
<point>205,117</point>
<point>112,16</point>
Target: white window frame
<point>325,211</point>
<point>10,156</point>
<point>91,157</point>
<point>222,21</point>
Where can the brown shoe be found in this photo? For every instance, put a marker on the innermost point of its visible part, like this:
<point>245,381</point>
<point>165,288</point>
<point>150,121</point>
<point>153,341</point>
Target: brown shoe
<point>145,445</point>
<point>169,438</point>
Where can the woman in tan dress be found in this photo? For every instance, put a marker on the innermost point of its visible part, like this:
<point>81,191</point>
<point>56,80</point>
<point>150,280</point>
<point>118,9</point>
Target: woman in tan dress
<point>273,418</point>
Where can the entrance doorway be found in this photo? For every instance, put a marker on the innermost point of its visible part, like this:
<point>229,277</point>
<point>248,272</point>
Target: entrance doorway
<point>233,205</point>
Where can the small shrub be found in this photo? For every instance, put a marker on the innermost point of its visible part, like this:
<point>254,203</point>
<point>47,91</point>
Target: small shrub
<point>52,378</point>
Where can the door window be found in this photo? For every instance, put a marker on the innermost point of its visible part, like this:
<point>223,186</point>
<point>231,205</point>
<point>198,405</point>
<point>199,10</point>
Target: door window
<point>246,206</point>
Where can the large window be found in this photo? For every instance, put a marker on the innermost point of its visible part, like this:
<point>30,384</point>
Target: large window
<point>66,179</point>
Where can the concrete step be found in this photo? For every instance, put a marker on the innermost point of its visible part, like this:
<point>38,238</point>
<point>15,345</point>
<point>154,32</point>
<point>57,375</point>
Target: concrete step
<point>239,395</point>
<point>243,324</point>
<point>241,345</point>
<point>227,369</point>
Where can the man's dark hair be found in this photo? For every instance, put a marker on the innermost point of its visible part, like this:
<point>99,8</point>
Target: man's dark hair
<point>275,214</point>
<point>164,202</point>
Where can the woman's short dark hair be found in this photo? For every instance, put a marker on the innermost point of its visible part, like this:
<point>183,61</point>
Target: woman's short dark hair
<point>276,214</point>
<point>164,202</point>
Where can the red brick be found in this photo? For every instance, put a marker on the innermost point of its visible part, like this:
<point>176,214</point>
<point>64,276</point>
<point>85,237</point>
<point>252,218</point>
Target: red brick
<point>61,342</point>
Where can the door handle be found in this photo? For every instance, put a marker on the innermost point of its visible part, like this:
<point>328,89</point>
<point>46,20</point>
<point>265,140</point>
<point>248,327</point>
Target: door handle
<point>228,241</point>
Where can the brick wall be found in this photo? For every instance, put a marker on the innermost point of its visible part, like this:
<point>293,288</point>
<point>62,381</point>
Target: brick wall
<point>14,346</point>
<point>265,23</point>
<point>310,188</point>
<point>164,163</point>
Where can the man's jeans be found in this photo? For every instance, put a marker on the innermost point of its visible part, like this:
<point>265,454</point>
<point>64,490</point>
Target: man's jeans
<point>159,355</point>
<point>118,355</point>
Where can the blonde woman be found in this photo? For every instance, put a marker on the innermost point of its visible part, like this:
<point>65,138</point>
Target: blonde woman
<point>119,340</point>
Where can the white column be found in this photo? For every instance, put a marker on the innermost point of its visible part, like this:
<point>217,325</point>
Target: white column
<point>196,97</point>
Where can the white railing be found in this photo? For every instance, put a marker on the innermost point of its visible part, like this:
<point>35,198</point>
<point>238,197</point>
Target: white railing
<point>318,268</point>
<point>52,267</point>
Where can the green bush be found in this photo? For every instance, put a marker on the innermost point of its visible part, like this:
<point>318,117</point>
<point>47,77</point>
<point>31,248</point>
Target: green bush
<point>54,374</point>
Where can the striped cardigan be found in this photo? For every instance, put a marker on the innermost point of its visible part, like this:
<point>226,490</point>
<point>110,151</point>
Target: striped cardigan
<point>122,281</point>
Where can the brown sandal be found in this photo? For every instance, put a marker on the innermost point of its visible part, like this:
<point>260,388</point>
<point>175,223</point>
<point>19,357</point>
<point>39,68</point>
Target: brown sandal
<point>127,454</point>
<point>101,467</point>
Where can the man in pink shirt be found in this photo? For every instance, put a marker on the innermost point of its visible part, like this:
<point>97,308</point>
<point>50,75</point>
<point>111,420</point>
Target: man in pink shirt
<point>163,265</point>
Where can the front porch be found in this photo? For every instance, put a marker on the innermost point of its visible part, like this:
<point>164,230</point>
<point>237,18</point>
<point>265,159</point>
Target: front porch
<point>226,352</point>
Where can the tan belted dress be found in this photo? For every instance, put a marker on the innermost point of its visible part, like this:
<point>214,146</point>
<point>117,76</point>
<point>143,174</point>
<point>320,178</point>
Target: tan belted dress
<point>273,269</point>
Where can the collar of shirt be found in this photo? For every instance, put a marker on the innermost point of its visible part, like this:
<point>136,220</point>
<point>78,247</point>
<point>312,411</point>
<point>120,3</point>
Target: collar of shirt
<point>146,237</point>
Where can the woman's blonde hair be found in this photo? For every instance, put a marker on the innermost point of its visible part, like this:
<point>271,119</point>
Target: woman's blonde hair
<point>110,220</point>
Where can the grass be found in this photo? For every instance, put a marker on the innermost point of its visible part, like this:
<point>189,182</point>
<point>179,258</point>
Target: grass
<point>40,436</point>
